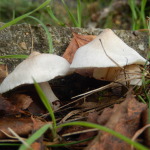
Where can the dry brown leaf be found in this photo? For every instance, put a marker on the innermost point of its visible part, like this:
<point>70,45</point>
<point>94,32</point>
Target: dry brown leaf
<point>37,146</point>
<point>104,117</point>
<point>145,118</point>
<point>125,119</point>
<point>7,108</point>
<point>3,72</point>
<point>77,41</point>
<point>36,109</point>
<point>21,101</point>
<point>21,126</point>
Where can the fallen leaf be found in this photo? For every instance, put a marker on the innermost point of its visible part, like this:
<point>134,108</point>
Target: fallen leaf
<point>104,117</point>
<point>7,108</point>
<point>125,119</point>
<point>92,117</point>
<point>3,72</point>
<point>21,101</point>
<point>36,109</point>
<point>21,126</point>
<point>77,41</point>
<point>145,118</point>
<point>37,146</point>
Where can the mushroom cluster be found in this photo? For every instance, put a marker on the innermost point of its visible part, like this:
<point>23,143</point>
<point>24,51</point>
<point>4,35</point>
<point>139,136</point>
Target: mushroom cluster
<point>40,67</point>
<point>107,57</point>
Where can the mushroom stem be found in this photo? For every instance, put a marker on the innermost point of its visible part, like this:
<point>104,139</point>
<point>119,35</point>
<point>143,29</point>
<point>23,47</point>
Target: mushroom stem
<point>131,73</point>
<point>108,74</point>
<point>49,94</point>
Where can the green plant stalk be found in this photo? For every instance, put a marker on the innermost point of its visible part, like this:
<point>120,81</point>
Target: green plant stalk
<point>13,16</point>
<point>48,107</point>
<point>148,26</point>
<point>51,50</point>
<point>14,56</point>
<point>50,12</point>
<point>134,14</point>
<point>9,144</point>
<point>138,15</point>
<point>141,98</point>
<point>92,125</point>
<point>144,82</point>
<point>24,16</point>
<point>79,12</point>
<point>36,135</point>
<point>76,24</point>
<point>133,6</point>
<point>142,12</point>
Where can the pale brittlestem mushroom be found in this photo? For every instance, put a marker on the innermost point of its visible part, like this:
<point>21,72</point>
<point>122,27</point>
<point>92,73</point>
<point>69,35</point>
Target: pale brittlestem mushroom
<point>40,67</point>
<point>106,58</point>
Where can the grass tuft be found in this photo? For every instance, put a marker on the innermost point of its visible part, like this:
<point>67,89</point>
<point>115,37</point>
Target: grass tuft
<point>24,16</point>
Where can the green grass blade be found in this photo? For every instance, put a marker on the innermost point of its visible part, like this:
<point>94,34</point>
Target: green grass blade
<point>14,56</point>
<point>24,16</point>
<point>142,12</point>
<point>36,135</point>
<point>9,144</point>
<point>133,8</point>
<point>49,37</point>
<point>47,105</point>
<point>118,135</point>
<point>50,12</point>
<point>13,16</point>
<point>70,15</point>
<point>141,98</point>
<point>79,12</point>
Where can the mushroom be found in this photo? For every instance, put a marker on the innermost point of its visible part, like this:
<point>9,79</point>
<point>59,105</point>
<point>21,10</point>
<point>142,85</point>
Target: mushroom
<point>42,68</point>
<point>106,57</point>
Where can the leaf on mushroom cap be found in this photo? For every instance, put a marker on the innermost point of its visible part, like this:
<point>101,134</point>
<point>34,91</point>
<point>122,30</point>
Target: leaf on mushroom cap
<point>41,67</point>
<point>93,54</point>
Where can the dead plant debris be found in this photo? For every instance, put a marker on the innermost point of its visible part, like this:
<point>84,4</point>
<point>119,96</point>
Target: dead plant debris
<point>77,41</point>
<point>22,111</point>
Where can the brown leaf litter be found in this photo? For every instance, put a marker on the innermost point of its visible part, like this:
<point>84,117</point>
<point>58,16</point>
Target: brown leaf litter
<point>21,101</point>
<point>22,126</point>
<point>3,72</point>
<point>6,107</point>
<point>77,41</point>
<point>124,118</point>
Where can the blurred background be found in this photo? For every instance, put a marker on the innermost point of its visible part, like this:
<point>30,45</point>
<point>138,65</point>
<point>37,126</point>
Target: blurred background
<point>115,14</point>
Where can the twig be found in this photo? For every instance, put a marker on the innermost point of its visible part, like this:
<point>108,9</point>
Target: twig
<point>109,56</point>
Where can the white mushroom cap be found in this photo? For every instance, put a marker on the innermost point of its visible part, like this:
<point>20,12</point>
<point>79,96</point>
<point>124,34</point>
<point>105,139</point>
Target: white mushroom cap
<point>93,55</point>
<point>41,67</point>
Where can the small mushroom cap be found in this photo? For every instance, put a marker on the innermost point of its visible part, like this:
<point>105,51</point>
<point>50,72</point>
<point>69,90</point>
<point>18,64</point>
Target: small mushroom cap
<point>93,55</point>
<point>41,67</point>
